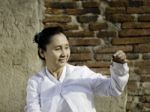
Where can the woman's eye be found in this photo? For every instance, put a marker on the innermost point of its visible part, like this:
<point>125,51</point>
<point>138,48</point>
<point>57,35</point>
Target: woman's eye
<point>67,47</point>
<point>57,49</point>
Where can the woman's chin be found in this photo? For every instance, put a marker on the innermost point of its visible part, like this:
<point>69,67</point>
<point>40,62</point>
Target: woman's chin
<point>61,64</point>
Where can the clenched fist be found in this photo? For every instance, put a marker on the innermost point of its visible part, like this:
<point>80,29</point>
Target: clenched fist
<point>119,57</point>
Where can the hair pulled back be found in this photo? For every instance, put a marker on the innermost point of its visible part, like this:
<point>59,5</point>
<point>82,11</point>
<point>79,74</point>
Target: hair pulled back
<point>43,38</point>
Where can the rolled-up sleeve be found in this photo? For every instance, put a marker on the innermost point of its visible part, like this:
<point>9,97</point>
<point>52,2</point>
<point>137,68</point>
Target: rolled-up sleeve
<point>32,99</point>
<point>109,86</point>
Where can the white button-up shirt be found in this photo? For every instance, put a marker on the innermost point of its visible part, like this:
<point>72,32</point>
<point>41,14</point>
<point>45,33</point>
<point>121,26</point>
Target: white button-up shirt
<point>74,91</point>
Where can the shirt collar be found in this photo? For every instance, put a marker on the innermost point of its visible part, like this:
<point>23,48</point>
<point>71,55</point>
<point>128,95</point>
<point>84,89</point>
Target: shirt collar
<point>62,76</point>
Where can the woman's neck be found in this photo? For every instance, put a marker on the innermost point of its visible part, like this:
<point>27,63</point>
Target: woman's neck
<point>56,72</point>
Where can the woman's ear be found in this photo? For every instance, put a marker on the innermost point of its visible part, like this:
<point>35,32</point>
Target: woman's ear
<point>41,53</point>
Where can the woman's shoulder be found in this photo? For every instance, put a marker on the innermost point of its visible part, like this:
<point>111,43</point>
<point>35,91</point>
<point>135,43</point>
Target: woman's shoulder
<point>37,77</point>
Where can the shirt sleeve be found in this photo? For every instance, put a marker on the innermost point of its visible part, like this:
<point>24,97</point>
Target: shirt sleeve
<point>32,99</point>
<point>109,86</point>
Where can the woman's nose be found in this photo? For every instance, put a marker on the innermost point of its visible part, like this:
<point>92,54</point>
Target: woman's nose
<point>63,53</point>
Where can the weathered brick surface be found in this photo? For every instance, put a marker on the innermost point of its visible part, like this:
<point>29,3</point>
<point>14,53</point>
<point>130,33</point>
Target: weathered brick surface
<point>80,56</point>
<point>90,4</point>
<point>133,86</point>
<point>103,34</point>
<point>145,18</point>
<point>115,10</point>
<point>59,19</point>
<point>146,107</point>
<point>140,63</point>
<point>80,34</point>
<point>118,3</point>
<point>120,17</point>
<point>53,11</point>
<point>134,32</point>
<point>138,10</point>
<point>103,57</point>
<point>82,11</point>
<point>136,25</point>
<point>98,26</point>
<point>80,50</point>
<point>146,56</point>
<point>142,48</point>
<point>145,99</point>
<point>87,19</point>
<point>97,64</point>
<point>64,26</point>
<point>113,49</point>
<point>61,5</point>
<point>145,78</point>
<point>146,2</point>
<point>125,41</point>
<point>84,41</point>
<point>133,56</point>
<point>143,70</point>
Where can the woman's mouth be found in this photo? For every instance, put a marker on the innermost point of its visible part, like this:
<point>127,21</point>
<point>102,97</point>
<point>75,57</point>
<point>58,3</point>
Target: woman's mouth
<point>62,60</point>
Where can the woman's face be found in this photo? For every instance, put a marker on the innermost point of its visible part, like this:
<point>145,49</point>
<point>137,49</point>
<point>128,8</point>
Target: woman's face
<point>57,51</point>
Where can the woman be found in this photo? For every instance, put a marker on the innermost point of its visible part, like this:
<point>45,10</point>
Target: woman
<point>61,87</point>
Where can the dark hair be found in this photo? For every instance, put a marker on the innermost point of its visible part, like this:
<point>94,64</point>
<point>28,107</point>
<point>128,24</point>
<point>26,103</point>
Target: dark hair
<point>43,38</point>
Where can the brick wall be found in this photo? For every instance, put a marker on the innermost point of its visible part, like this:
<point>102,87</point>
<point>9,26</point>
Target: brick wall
<point>98,28</point>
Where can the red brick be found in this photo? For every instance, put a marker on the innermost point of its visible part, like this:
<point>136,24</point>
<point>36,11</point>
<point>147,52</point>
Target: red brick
<point>145,17</point>
<point>120,18</point>
<point>87,18</point>
<point>115,10</point>
<point>97,64</point>
<point>94,64</point>
<point>145,99</point>
<point>118,3</point>
<point>53,11</point>
<point>105,34</point>
<point>140,63</point>
<point>80,34</point>
<point>129,99</point>
<point>146,107</point>
<point>133,86</point>
<point>84,41</point>
<point>146,2</point>
<point>90,4</point>
<point>70,27</point>
<point>97,26</point>
<point>132,56</point>
<point>80,50</point>
<point>143,48</point>
<point>145,78</point>
<point>129,106</point>
<point>135,3</point>
<point>125,41</point>
<point>136,25</point>
<point>143,70</point>
<point>73,11</point>
<point>61,5</point>
<point>112,49</point>
<point>146,56</point>
<point>134,32</point>
<point>81,11</point>
<point>60,19</point>
<point>103,57</point>
<point>146,85</point>
<point>81,57</point>
<point>64,26</point>
<point>138,10</point>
